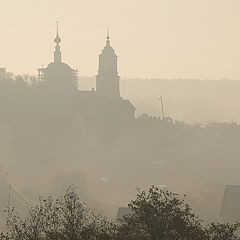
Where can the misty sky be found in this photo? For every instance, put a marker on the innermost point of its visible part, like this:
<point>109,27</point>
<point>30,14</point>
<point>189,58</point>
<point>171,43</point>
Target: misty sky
<point>153,38</point>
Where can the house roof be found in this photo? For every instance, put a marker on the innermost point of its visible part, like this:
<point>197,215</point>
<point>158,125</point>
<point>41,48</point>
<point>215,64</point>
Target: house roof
<point>123,211</point>
<point>231,202</point>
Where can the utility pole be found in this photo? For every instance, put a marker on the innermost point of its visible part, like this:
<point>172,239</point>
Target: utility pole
<point>163,115</point>
<point>9,198</point>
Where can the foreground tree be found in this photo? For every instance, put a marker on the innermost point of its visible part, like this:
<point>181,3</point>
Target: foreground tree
<point>155,215</point>
<point>65,218</point>
<point>159,215</point>
<point>219,231</point>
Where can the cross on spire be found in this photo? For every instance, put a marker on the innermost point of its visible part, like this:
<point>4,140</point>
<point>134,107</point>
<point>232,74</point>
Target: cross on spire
<point>108,37</point>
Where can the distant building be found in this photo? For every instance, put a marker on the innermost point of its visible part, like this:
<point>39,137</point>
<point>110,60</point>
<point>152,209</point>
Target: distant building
<point>2,71</point>
<point>122,212</point>
<point>230,210</point>
<point>106,101</point>
<point>107,84</point>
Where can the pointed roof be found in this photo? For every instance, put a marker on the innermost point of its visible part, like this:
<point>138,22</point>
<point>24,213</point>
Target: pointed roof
<point>108,48</point>
<point>57,40</point>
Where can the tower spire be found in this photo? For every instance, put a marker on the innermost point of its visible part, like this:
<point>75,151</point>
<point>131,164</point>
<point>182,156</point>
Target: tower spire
<point>57,40</point>
<point>57,53</point>
<point>108,38</point>
<point>57,28</point>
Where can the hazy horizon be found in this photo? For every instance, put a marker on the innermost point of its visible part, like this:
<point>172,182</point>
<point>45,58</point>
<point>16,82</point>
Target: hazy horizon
<point>154,39</point>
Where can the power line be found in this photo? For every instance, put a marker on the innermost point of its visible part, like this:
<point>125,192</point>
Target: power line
<point>27,199</point>
<point>23,197</point>
<point>20,200</point>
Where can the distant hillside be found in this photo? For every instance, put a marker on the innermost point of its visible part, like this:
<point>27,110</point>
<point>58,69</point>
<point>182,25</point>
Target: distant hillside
<point>188,100</point>
<point>46,142</point>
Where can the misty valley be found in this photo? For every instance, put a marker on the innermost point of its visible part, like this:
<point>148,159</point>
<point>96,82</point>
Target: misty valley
<point>107,158</point>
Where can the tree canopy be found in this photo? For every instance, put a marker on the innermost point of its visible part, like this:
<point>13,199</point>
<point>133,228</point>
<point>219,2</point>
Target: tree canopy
<point>155,215</point>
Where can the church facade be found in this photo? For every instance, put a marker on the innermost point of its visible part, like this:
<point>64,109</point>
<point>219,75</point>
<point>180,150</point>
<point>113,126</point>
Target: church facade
<point>105,98</point>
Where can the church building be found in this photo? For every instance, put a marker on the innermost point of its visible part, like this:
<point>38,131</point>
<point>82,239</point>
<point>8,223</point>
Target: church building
<point>106,99</point>
<point>58,74</point>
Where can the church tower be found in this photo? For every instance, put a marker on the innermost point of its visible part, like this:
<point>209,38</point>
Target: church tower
<point>107,80</point>
<point>58,74</point>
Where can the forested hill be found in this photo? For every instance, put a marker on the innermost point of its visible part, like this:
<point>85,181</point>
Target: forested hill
<point>184,99</point>
<point>187,100</point>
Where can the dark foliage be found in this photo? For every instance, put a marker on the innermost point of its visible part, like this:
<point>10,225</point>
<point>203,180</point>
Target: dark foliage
<point>155,215</point>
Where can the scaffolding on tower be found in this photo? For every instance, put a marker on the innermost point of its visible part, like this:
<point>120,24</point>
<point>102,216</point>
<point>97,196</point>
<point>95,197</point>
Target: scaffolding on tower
<point>41,74</point>
<point>75,76</point>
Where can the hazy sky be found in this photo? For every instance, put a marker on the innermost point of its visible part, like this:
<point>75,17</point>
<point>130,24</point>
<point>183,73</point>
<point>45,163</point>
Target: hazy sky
<point>153,38</point>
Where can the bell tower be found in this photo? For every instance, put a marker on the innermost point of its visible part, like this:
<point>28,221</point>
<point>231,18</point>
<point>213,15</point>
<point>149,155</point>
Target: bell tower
<point>107,80</point>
